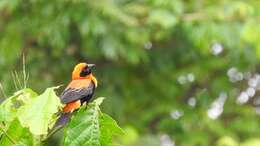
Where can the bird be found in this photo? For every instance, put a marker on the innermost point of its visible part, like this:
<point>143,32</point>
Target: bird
<point>79,91</point>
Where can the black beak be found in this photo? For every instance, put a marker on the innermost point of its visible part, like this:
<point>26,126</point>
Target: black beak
<point>91,65</point>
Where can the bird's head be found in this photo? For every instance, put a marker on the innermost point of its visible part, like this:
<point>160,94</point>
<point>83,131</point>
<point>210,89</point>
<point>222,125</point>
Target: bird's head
<point>82,71</point>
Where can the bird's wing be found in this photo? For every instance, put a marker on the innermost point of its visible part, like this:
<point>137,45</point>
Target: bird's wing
<point>77,90</point>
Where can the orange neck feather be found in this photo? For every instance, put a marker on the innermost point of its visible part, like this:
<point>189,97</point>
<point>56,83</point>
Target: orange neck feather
<point>90,77</point>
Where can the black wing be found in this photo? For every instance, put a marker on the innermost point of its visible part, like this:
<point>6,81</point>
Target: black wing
<point>71,94</point>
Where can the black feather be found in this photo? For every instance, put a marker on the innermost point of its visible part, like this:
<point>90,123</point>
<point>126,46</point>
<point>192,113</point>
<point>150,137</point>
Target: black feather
<point>84,94</point>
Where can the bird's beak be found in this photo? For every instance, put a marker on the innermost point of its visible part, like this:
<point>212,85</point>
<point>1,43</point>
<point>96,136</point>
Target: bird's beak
<point>91,65</point>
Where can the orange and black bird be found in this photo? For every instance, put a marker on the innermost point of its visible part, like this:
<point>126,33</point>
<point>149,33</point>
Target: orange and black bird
<point>79,91</point>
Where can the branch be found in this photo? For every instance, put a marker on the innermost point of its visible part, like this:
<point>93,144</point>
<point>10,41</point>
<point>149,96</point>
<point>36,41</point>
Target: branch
<point>7,135</point>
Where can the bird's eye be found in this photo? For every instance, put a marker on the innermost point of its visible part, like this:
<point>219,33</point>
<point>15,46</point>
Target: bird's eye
<point>85,71</point>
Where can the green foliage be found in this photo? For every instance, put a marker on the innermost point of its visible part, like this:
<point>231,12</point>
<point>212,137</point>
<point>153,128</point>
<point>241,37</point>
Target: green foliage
<point>38,113</point>
<point>8,109</point>
<point>19,134</point>
<point>91,127</point>
<point>27,119</point>
<point>143,50</point>
<point>108,128</point>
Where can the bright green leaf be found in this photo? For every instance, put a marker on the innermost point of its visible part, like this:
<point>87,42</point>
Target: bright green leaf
<point>26,95</point>
<point>108,128</point>
<point>7,110</point>
<point>40,112</point>
<point>9,107</point>
<point>19,134</point>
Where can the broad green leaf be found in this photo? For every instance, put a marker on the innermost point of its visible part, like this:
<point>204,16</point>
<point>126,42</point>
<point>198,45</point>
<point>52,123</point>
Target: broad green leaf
<point>83,128</point>
<point>7,110</point>
<point>19,134</point>
<point>26,95</point>
<point>39,113</point>
<point>9,107</point>
<point>90,127</point>
<point>98,101</point>
<point>108,128</point>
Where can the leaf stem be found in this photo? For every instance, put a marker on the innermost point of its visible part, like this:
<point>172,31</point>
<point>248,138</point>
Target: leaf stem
<point>2,90</point>
<point>7,135</point>
<point>14,80</point>
<point>18,80</point>
<point>24,73</point>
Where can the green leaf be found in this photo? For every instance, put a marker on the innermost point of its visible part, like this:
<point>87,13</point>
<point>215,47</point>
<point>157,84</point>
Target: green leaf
<point>7,110</point>
<point>90,127</point>
<point>108,128</point>
<point>19,134</point>
<point>98,101</point>
<point>39,113</point>
<point>25,95</point>
<point>9,107</point>
<point>84,127</point>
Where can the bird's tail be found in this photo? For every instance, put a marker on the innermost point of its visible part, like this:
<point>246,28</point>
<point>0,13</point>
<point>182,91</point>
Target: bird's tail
<point>63,119</point>
<point>60,123</point>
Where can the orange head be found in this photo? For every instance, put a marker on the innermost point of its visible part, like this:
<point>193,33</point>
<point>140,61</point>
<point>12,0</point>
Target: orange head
<point>83,71</point>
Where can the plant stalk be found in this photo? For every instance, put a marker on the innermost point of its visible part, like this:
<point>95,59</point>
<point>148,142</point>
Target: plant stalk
<point>7,135</point>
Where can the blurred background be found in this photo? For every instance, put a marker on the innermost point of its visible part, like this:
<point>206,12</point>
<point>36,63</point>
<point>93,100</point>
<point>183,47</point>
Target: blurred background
<point>174,72</point>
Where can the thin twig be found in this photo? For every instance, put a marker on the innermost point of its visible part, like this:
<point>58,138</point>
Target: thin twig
<point>27,78</point>
<point>2,90</point>
<point>7,135</point>
<point>15,84</point>
<point>18,80</point>
<point>24,73</point>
